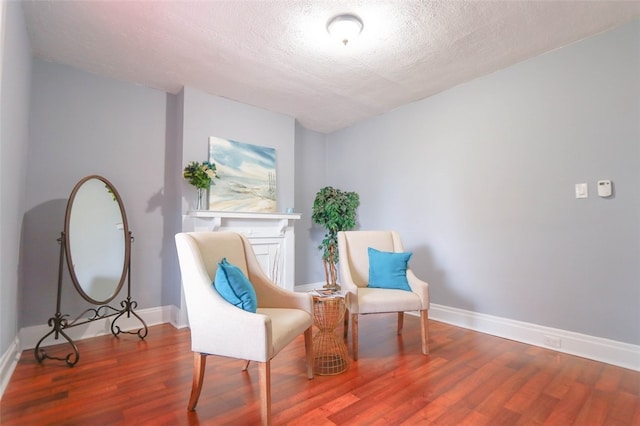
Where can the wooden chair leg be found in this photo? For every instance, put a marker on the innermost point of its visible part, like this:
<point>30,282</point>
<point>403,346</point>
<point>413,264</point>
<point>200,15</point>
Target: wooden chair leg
<point>245,366</point>
<point>354,335</point>
<point>400,322</point>
<point>199,364</point>
<point>265,392</point>
<point>424,328</point>
<point>308,347</point>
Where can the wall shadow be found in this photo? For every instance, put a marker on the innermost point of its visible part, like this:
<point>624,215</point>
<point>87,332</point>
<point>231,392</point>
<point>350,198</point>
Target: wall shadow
<point>39,267</point>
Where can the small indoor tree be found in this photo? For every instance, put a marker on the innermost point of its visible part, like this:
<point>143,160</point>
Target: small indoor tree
<point>336,211</point>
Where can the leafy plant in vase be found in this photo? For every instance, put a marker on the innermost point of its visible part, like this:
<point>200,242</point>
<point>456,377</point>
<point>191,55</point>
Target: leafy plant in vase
<point>200,175</point>
<point>336,211</point>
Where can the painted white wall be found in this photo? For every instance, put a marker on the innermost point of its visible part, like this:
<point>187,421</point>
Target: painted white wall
<point>15,74</point>
<point>82,124</point>
<point>479,181</point>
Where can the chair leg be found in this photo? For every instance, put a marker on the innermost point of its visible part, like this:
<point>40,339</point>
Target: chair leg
<point>400,322</point>
<point>354,335</point>
<point>346,323</point>
<point>265,392</point>
<point>424,327</point>
<point>199,364</point>
<point>245,366</point>
<point>308,347</point>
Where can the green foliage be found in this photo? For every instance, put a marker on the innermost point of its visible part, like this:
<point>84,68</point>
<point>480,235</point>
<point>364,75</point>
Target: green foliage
<point>200,175</point>
<point>336,211</point>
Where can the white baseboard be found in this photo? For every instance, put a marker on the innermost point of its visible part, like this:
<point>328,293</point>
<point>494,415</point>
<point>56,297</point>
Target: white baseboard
<point>609,351</point>
<point>596,348</point>
<point>178,317</point>
<point>8,363</point>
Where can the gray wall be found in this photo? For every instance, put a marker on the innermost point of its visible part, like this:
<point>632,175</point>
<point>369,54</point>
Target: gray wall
<point>206,115</point>
<point>82,124</point>
<point>136,137</point>
<point>479,181</point>
<point>310,177</point>
<point>15,75</point>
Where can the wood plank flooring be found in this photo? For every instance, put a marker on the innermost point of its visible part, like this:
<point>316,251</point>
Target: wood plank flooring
<point>469,378</point>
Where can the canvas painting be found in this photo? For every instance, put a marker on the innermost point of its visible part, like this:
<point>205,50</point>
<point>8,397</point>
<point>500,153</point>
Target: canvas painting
<point>247,177</point>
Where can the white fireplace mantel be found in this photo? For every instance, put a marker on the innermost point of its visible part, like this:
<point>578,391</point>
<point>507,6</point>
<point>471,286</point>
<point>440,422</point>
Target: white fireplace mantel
<point>270,234</point>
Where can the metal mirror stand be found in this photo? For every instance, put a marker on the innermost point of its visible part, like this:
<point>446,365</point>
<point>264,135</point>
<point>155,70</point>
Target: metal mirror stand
<point>60,322</point>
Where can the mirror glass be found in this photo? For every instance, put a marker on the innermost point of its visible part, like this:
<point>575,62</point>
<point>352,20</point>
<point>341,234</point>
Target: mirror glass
<point>97,239</point>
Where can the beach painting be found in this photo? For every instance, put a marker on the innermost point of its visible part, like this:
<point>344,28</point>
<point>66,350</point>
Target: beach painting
<point>247,174</point>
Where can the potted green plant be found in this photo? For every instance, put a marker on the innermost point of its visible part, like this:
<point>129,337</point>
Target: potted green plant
<point>201,176</point>
<point>336,211</point>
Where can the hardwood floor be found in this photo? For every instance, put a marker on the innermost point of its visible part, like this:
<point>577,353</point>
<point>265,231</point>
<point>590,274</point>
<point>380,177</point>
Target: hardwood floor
<point>468,379</point>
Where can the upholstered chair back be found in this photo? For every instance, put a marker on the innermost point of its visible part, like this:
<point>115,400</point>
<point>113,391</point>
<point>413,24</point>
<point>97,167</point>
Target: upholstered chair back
<point>226,244</point>
<point>354,257</point>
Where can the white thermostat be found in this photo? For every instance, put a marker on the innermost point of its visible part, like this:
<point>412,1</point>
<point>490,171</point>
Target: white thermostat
<point>604,188</point>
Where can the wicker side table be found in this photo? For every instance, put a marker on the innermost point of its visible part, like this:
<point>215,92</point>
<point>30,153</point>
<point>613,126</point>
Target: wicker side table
<point>330,352</point>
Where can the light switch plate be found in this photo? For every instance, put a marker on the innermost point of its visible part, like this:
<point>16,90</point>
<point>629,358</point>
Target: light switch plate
<point>582,190</point>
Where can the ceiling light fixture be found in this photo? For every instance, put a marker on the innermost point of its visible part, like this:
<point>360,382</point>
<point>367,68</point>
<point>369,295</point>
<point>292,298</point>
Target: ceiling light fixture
<point>345,27</point>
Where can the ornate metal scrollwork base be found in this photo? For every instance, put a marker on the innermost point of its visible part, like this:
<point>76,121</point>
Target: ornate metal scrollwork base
<point>59,323</point>
<point>128,306</point>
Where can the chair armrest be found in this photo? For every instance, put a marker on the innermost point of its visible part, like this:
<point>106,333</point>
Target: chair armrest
<point>210,317</point>
<point>421,288</point>
<point>271,296</point>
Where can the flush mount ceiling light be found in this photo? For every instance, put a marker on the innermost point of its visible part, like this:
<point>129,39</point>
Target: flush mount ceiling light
<point>345,27</point>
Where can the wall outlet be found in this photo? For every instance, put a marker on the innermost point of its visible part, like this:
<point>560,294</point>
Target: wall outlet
<point>552,341</point>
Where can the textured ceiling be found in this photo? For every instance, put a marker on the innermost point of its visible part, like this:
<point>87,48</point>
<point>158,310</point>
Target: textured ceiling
<point>277,55</point>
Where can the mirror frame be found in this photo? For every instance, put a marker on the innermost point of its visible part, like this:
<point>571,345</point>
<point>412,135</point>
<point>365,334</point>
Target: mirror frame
<point>67,244</point>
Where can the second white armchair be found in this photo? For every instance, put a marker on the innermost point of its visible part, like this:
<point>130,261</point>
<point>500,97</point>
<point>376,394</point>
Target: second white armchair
<point>363,298</point>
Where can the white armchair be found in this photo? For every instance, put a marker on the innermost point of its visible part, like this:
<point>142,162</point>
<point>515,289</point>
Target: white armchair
<point>220,328</point>
<point>362,300</point>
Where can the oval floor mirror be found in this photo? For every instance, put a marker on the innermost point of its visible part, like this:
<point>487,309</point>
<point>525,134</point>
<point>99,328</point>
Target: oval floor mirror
<point>96,243</point>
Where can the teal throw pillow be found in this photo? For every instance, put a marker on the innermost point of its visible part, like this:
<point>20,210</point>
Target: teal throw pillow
<point>235,287</point>
<point>388,269</point>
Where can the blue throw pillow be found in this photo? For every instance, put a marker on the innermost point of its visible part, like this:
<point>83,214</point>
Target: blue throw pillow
<point>235,287</point>
<point>388,269</point>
